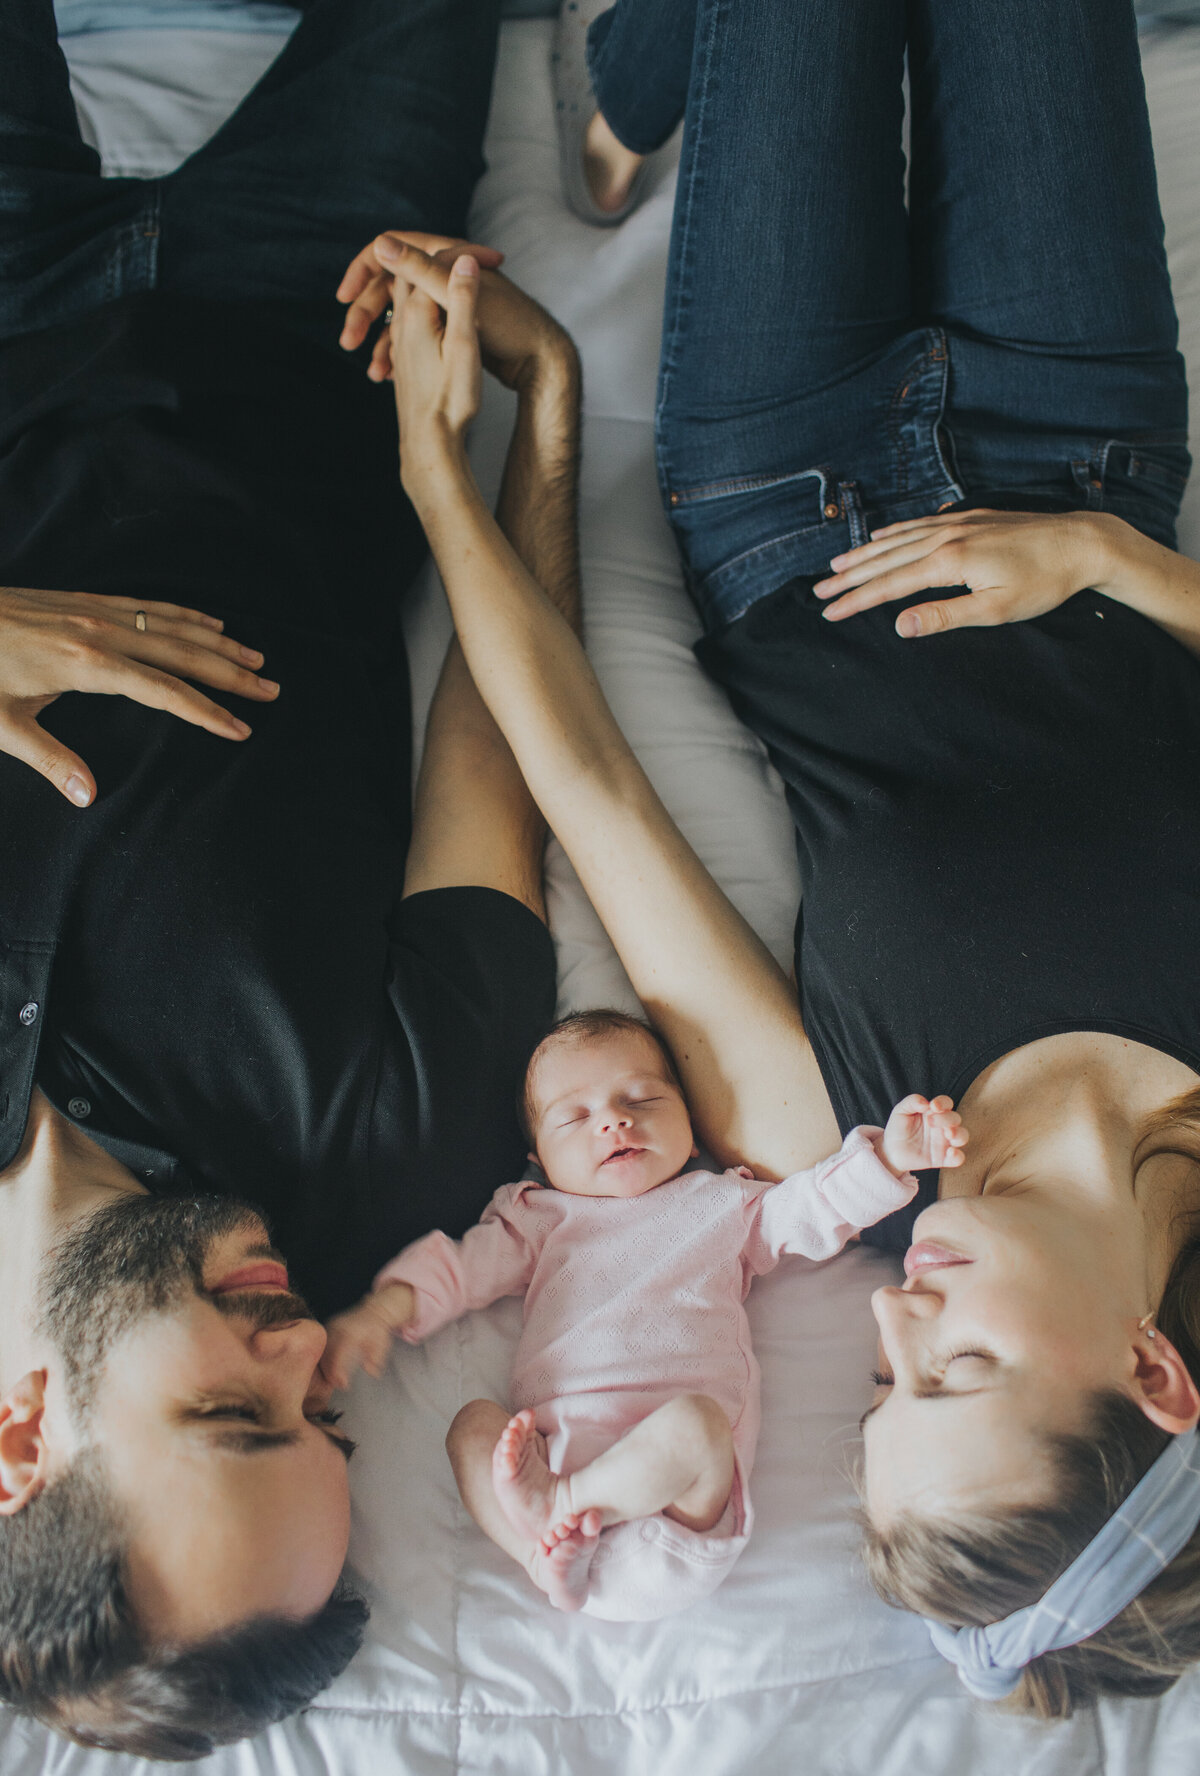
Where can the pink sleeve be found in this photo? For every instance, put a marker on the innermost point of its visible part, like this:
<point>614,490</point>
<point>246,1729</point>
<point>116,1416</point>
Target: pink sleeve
<point>815,1213</point>
<point>450,1277</point>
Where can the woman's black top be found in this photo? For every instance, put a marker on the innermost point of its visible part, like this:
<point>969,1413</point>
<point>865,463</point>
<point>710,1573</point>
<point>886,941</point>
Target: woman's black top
<point>998,832</point>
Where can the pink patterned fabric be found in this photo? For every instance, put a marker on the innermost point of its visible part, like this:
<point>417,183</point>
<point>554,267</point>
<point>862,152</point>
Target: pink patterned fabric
<point>629,1302</point>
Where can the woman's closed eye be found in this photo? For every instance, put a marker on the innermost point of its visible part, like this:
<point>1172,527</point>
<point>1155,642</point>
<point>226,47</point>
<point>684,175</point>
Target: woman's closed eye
<point>886,1381</point>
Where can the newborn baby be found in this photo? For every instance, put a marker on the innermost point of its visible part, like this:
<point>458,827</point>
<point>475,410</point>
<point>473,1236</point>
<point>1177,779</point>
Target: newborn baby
<point>621,1483</point>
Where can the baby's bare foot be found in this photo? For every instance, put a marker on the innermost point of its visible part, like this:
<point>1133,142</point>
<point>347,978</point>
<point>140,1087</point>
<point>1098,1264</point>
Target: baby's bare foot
<point>561,1566</point>
<point>531,1497</point>
<point>609,166</point>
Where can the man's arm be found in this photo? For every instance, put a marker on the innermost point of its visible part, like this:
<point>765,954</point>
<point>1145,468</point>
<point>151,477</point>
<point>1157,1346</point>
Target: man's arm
<point>726,1009</point>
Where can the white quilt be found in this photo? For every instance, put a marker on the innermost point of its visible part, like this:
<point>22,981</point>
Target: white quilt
<point>792,1668</point>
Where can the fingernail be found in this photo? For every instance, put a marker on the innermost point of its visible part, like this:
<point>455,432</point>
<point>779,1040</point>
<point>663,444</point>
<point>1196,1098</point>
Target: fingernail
<point>465,267</point>
<point>252,656</point>
<point>268,684</point>
<point>78,791</point>
<point>909,624</point>
<point>387,250</point>
<point>240,728</point>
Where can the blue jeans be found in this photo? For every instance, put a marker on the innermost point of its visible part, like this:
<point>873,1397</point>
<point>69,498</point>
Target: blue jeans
<point>835,359</point>
<point>371,117</point>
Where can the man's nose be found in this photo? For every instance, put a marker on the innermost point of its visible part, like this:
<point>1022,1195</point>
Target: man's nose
<point>295,1343</point>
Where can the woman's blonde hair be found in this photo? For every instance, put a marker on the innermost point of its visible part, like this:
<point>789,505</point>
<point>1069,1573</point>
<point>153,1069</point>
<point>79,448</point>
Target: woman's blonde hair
<point>974,1570</point>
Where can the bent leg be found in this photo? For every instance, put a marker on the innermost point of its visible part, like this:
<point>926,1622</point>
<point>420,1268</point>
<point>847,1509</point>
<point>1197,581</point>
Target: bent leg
<point>789,367</point>
<point>679,1461</point>
<point>472,1443</point>
<point>372,117</point>
<point>69,241</point>
<point>1038,245</point>
<point>640,60</point>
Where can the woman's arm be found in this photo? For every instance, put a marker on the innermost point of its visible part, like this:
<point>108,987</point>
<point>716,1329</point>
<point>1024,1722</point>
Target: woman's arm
<point>726,1009</point>
<point>1014,565</point>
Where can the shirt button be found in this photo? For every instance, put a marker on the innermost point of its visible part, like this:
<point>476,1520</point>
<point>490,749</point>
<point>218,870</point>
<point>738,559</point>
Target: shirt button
<point>28,1012</point>
<point>650,1530</point>
<point>79,1107</point>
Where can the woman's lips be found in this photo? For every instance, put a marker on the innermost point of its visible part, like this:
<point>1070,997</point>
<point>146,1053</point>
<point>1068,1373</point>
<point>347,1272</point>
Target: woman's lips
<point>928,1255</point>
<point>265,1273</point>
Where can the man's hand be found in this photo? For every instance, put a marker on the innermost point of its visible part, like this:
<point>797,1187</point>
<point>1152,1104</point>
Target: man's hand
<point>361,1337</point>
<point>518,339</point>
<point>1013,565</point>
<point>51,642</point>
<point>923,1134</point>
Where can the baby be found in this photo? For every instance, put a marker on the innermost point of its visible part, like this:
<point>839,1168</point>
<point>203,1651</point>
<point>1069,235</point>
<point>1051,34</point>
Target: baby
<point>620,1484</point>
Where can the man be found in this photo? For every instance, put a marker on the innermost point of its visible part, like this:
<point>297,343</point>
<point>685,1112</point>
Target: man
<point>244,996</point>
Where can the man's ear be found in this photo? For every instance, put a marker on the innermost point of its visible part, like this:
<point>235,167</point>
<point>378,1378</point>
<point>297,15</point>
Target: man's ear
<point>1163,1387</point>
<point>24,1458</point>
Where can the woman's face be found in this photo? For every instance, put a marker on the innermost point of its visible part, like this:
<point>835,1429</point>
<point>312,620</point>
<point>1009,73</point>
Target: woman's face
<point>1014,1309</point>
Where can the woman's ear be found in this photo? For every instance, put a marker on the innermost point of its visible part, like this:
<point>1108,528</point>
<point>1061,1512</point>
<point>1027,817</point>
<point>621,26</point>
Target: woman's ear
<point>1165,1390</point>
<point>24,1459</point>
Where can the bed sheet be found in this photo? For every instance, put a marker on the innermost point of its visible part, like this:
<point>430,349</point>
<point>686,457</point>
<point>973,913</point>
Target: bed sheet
<point>792,1666</point>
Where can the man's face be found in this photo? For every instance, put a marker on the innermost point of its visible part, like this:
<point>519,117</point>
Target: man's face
<point>191,1369</point>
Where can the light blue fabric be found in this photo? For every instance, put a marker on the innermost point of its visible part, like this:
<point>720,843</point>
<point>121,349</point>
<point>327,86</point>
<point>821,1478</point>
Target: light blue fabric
<point>1137,1543</point>
<point>77,17</point>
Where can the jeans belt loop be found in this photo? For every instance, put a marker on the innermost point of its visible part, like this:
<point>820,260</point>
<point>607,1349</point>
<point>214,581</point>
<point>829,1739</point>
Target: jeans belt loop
<point>851,504</point>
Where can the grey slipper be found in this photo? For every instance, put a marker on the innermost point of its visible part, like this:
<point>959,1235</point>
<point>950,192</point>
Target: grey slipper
<point>574,108</point>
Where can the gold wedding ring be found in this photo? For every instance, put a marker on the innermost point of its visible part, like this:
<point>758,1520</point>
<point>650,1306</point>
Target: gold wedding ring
<point>139,622</point>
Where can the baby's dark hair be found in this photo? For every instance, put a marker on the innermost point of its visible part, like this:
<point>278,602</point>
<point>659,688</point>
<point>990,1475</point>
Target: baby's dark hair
<point>585,1026</point>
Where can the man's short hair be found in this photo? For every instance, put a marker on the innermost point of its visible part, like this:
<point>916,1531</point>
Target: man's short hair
<point>72,1657</point>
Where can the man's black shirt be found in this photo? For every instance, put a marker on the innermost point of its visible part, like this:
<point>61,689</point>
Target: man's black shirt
<point>211,968</point>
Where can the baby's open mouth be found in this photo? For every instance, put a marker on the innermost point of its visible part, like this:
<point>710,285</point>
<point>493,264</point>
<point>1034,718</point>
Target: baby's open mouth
<point>623,1153</point>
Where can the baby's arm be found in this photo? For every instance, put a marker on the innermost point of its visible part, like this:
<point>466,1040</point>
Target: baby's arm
<point>434,1281</point>
<point>361,1337</point>
<point>814,1213</point>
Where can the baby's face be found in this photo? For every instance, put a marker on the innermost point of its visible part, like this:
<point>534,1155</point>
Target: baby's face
<point>607,1118</point>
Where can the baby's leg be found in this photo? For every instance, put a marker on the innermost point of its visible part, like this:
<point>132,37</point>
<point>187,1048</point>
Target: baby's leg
<point>533,1500</point>
<point>679,1461</point>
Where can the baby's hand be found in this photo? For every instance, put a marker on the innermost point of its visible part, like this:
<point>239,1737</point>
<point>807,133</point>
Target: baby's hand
<point>362,1337</point>
<point>923,1134</point>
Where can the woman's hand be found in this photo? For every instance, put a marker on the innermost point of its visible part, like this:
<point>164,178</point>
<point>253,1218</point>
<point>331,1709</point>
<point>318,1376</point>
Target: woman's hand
<point>51,642</point>
<point>435,356</point>
<point>518,339</point>
<point>923,1134</point>
<point>1014,565</point>
<point>367,284</point>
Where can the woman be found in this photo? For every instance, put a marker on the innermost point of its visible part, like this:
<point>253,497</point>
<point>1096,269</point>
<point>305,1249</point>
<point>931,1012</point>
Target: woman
<point>997,825</point>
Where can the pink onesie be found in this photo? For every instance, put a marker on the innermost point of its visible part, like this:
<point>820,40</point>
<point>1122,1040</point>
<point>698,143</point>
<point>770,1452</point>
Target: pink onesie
<point>630,1301</point>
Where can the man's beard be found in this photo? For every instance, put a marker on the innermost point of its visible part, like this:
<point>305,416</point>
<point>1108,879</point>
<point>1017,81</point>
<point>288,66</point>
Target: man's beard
<point>137,1256</point>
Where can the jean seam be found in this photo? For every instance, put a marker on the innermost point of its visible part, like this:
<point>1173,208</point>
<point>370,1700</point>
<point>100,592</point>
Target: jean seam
<point>694,135</point>
<point>733,485</point>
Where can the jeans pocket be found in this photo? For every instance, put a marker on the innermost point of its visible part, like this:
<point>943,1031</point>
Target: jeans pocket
<point>1144,482</point>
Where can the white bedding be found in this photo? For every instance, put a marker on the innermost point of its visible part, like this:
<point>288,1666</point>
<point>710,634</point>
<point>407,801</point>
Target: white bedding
<point>792,1667</point>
